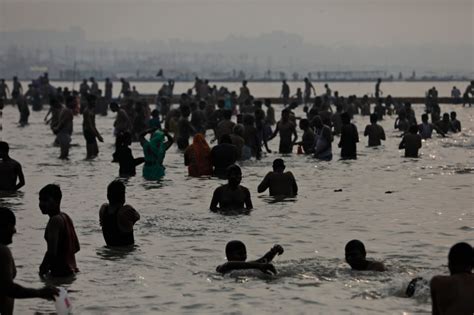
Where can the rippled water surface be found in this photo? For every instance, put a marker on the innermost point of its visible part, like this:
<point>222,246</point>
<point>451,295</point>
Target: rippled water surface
<point>407,211</point>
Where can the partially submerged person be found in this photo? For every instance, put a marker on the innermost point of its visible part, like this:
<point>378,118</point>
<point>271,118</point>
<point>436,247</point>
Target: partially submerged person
<point>323,140</point>
<point>426,128</point>
<point>63,130</point>
<point>197,157</point>
<point>123,155</point>
<point>356,258</point>
<point>231,196</point>
<point>349,138</point>
<point>454,294</point>
<point>223,155</point>
<point>89,129</point>
<point>236,254</point>
<point>9,290</point>
<point>11,173</point>
<point>116,218</point>
<point>308,138</point>
<point>374,131</point>
<point>279,182</point>
<point>154,152</point>
<point>286,129</point>
<point>455,123</point>
<point>411,142</point>
<point>444,124</point>
<point>60,236</point>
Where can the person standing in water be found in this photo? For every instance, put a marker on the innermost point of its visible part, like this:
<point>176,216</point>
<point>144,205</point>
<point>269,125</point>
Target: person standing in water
<point>60,236</point>
<point>231,196</point>
<point>378,92</point>
<point>279,182</point>
<point>454,294</point>
<point>10,170</point>
<point>374,131</point>
<point>197,157</point>
<point>285,93</point>
<point>116,218</point>
<point>349,138</point>
<point>411,142</point>
<point>154,152</point>
<point>286,129</point>
<point>308,88</point>
<point>9,290</point>
<point>89,129</point>
<point>123,155</point>
<point>63,129</point>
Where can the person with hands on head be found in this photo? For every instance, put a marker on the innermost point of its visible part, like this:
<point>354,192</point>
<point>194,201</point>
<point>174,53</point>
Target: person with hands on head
<point>154,152</point>
<point>236,254</point>
<point>9,290</point>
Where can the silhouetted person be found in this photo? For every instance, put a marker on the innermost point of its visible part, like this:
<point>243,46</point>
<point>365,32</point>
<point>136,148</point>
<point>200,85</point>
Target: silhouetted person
<point>378,92</point>
<point>349,138</point>
<point>454,294</point>
<point>108,90</point>
<point>116,218</point>
<point>374,131</point>
<point>455,123</point>
<point>123,155</point>
<point>11,173</point>
<point>89,129</point>
<point>61,240</point>
<point>231,196</point>
<point>279,182</point>
<point>9,290</point>
<point>285,92</point>
<point>356,258</point>
<point>426,128</point>
<point>286,129</point>
<point>236,254</point>
<point>308,137</point>
<point>223,155</point>
<point>63,130</point>
<point>411,142</point>
<point>308,88</point>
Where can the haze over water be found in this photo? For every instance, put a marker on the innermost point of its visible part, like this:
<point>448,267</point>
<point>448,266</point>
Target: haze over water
<point>407,211</point>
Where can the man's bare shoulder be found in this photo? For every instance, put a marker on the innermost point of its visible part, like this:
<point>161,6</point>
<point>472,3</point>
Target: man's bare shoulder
<point>5,254</point>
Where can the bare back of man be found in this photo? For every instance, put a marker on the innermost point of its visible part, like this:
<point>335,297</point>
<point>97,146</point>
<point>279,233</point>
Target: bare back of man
<point>453,294</point>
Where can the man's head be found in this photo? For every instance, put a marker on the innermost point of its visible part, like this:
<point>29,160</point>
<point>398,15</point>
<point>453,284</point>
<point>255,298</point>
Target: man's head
<point>7,226</point>
<point>446,117</point>
<point>304,124</point>
<point>424,118</point>
<point>373,118</point>
<point>453,115</point>
<point>234,175</point>
<point>355,254</point>
<point>413,129</point>
<point>244,83</point>
<point>225,139</point>
<point>227,114</point>
<point>4,149</point>
<point>278,165</point>
<point>461,258</point>
<point>317,122</point>
<point>116,193</point>
<point>114,107</point>
<point>285,114</point>
<point>50,199</point>
<point>346,119</point>
<point>236,251</point>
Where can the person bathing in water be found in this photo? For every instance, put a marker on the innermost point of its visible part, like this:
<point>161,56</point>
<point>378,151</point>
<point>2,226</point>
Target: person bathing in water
<point>231,196</point>
<point>279,182</point>
<point>356,257</point>
<point>236,254</point>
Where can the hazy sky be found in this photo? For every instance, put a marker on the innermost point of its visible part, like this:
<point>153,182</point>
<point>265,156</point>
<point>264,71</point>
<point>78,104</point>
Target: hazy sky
<point>360,22</point>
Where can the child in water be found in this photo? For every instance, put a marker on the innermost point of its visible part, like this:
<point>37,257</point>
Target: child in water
<point>236,254</point>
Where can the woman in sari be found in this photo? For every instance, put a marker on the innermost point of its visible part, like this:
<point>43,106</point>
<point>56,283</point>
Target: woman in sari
<point>197,157</point>
<point>154,152</point>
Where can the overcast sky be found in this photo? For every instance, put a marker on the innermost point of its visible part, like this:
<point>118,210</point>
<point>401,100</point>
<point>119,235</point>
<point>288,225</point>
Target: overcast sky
<point>359,22</point>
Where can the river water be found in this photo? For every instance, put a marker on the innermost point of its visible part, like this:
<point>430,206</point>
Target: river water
<point>407,211</point>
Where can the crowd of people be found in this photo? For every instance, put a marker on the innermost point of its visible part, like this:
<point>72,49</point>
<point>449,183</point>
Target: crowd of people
<point>241,129</point>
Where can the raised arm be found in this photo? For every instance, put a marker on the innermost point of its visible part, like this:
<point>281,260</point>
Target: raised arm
<point>268,257</point>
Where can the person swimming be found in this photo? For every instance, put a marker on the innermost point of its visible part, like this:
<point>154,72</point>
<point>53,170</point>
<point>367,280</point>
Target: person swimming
<point>236,254</point>
<point>454,294</point>
<point>356,258</point>
<point>279,183</point>
<point>231,196</point>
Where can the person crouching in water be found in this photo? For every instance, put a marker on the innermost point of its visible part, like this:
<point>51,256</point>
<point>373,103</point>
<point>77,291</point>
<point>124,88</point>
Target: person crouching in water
<point>236,254</point>
<point>116,218</point>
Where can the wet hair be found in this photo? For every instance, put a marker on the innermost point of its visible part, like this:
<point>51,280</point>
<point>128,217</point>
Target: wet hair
<point>233,169</point>
<point>373,118</point>
<point>227,114</point>
<point>413,129</point>
<point>278,164</point>
<point>225,139</point>
<point>234,246</point>
<point>462,255</point>
<point>4,147</point>
<point>7,217</point>
<point>346,119</point>
<point>424,117</point>
<point>446,116</point>
<point>220,103</point>
<point>453,114</point>
<point>355,244</point>
<point>51,190</point>
<point>116,192</point>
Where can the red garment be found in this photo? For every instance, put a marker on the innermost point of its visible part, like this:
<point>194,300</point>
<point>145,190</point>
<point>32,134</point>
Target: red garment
<point>198,157</point>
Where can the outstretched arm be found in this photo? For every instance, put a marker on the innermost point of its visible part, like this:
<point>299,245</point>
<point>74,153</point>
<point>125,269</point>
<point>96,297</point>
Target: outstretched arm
<point>268,257</point>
